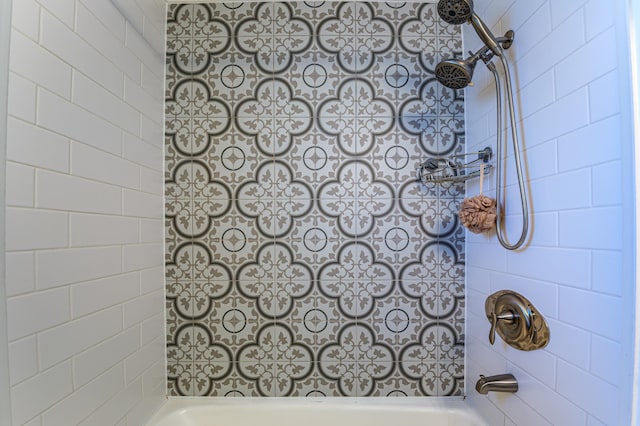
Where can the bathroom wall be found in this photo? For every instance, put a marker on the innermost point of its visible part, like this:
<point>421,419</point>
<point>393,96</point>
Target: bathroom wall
<point>84,216</point>
<point>148,18</point>
<point>5,388</point>
<point>303,258</point>
<point>569,63</point>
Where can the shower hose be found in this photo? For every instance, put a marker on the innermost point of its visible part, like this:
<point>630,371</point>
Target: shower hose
<point>500,231</point>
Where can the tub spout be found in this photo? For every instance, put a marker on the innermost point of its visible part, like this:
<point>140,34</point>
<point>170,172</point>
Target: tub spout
<point>498,383</point>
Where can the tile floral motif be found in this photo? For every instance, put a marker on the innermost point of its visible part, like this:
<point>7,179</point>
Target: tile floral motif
<point>356,116</point>
<point>436,280</point>
<point>436,117</point>
<point>274,117</point>
<point>356,35</point>
<point>416,35</point>
<point>355,198</point>
<point>193,280</point>
<point>356,360</point>
<point>275,361</point>
<point>302,257</point>
<point>273,36</point>
<point>193,35</point>
<point>195,117</point>
<point>275,280</point>
<point>356,280</point>
<point>274,199</point>
<point>424,361</point>
<point>438,216</point>
<point>194,345</point>
<point>196,199</point>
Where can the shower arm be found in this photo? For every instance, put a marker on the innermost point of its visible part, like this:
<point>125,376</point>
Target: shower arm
<point>499,159</point>
<point>486,54</point>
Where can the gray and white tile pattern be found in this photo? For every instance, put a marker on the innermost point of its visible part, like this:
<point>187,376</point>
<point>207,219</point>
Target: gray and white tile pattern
<point>303,258</point>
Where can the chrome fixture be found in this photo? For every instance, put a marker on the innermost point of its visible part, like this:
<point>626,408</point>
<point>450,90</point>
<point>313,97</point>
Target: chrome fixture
<point>498,383</point>
<point>441,170</point>
<point>457,74</point>
<point>458,12</point>
<point>516,321</point>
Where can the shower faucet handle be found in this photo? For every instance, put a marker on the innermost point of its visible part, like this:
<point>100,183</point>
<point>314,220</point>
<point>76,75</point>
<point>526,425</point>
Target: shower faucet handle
<point>516,321</point>
<point>494,322</point>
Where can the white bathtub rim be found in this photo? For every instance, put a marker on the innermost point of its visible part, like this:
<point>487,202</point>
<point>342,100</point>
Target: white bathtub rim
<point>448,404</point>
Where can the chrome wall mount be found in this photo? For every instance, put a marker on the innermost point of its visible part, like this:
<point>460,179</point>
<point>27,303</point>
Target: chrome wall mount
<point>516,321</point>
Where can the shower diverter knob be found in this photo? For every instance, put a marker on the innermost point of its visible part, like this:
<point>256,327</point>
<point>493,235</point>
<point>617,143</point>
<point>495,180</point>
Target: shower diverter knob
<point>516,321</point>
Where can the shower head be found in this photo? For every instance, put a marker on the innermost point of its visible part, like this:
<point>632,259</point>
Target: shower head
<point>457,12</point>
<point>457,73</point>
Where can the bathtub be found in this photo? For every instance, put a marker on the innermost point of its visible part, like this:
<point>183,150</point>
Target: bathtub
<point>315,412</point>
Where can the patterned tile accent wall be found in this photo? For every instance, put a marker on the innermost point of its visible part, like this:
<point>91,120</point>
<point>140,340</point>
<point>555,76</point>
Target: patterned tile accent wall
<point>303,258</point>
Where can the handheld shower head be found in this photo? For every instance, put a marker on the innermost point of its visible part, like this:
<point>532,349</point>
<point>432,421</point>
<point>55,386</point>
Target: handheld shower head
<point>457,12</point>
<point>455,73</point>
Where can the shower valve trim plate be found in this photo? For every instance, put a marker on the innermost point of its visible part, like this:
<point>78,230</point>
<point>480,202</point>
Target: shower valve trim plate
<point>516,321</point>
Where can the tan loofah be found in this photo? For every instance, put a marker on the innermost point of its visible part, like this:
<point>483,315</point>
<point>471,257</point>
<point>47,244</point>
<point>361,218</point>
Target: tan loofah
<point>478,213</point>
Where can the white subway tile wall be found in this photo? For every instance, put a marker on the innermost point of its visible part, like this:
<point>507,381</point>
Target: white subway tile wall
<point>85,311</point>
<point>84,216</point>
<point>23,357</point>
<point>146,19</point>
<point>24,93</point>
<point>20,275</point>
<point>38,147</point>
<point>567,76</point>
<point>38,65</point>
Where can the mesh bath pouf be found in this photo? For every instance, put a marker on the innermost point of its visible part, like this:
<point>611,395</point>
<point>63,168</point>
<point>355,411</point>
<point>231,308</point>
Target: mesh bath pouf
<point>478,213</point>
